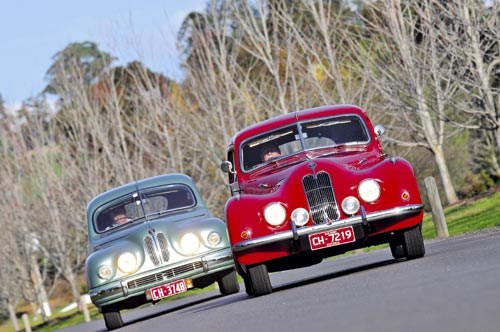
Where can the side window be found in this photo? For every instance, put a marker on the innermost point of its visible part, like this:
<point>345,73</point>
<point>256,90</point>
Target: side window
<point>230,158</point>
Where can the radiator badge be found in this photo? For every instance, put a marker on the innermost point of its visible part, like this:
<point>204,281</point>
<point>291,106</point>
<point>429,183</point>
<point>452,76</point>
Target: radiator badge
<point>312,166</point>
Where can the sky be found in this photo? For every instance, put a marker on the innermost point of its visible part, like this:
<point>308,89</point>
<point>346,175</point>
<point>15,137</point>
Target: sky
<point>33,31</point>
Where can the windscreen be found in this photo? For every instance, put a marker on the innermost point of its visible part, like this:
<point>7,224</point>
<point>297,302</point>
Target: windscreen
<point>322,133</point>
<point>146,203</point>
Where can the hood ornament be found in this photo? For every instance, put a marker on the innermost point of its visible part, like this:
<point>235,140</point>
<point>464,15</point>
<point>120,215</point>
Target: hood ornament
<point>312,166</point>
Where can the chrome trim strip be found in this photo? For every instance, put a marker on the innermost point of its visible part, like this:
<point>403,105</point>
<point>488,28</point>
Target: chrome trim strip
<point>286,235</point>
<point>217,257</point>
<point>96,295</point>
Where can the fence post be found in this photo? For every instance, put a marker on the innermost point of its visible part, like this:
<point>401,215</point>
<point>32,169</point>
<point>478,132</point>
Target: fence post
<point>85,309</point>
<point>436,207</point>
<point>26,321</point>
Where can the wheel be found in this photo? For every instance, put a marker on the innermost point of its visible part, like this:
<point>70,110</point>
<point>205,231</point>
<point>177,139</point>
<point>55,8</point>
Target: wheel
<point>259,280</point>
<point>112,319</point>
<point>228,283</point>
<point>397,249</point>
<point>413,243</point>
<point>248,286</point>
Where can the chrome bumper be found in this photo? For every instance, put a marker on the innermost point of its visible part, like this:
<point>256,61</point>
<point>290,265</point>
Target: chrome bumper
<point>295,233</point>
<point>211,262</point>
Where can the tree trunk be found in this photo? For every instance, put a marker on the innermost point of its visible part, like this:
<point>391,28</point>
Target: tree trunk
<point>435,141</point>
<point>70,277</point>
<point>451,195</point>
<point>41,294</point>
<point>13,317</point>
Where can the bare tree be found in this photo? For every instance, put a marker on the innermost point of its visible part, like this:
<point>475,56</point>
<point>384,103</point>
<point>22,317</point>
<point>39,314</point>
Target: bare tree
<point>22,271</point>
<point>250,61</point>
<point>408,65</point>
<point>479,28</point>
<point>474,29</point>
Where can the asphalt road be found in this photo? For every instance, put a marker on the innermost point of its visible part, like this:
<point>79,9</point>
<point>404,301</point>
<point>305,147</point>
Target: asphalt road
<point>455,287</point>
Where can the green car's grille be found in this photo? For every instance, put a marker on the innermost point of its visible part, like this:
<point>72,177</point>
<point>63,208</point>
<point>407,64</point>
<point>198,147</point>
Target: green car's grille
<point>157,248</point>
<point>162,242</point>
<point>164,275</point>
<point>150,249</point>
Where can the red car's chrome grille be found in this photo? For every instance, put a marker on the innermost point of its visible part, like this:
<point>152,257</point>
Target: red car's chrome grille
<point>320,197</point>
<point>159,255</point>
<point>164,275</point>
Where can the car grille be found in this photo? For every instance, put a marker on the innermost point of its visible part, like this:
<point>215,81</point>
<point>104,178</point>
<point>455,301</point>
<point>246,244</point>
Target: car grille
<point>164,275</point>
<point>319,192</point>
<point>157,256</point>
<point>162,242</point>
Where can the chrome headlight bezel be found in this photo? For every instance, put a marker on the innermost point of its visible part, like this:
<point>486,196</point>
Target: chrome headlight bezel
<point>104,272</point>
<point>300,216</point>
<point>127,262</point>
<point>214,239</point>
<point>350,205</point>
<point>369,190</point>
<point>275,214</point>
<point>189,243</point>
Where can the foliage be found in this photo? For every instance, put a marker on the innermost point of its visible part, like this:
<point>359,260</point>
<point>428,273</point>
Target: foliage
<point>85,56</point>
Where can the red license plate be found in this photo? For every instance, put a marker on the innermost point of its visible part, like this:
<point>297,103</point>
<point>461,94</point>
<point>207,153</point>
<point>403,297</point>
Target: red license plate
<point>332,238</point>
<point>167,290</point>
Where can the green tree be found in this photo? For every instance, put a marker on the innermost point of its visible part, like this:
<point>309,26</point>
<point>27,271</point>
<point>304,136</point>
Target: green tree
<point>77,61</point>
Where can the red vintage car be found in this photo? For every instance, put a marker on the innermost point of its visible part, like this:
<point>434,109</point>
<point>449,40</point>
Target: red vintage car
<point>313,184</point>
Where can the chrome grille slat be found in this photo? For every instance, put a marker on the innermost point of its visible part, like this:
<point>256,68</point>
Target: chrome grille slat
<point>162,241</point>
<point>164,275</point>
<point>320,197</point>
<point>149,247</point>
<point>157,248</point>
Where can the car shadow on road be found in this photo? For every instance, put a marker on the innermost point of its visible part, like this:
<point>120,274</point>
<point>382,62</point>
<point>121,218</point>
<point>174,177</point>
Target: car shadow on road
<point>334,275</point>
<point>134,316</point>
<point>211,302</point>
<point>242,296</point>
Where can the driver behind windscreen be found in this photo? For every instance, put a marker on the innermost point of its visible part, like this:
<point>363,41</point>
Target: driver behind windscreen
<point>270,152</point>
<point>119,216</point>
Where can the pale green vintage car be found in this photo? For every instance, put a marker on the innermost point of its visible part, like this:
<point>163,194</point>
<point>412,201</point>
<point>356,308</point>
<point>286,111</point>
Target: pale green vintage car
<point>151,239</point>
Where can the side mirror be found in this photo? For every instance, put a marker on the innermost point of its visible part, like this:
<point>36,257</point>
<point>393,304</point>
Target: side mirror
<point>379,130</point>
<point>226,167</point>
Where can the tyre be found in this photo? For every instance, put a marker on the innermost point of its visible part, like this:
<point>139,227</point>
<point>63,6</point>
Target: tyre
<point>228,283</point>
<point>413,243</point>
<point>397,249</point>
<point>112,319</point>
<point>248,286</point>
<point>258,278</point>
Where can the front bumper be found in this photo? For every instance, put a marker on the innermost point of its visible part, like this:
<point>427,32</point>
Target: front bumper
<point>295,233</point>
<point>135,285</point>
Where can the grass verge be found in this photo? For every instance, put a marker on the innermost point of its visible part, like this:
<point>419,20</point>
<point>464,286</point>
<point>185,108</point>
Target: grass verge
<point>467,216</point>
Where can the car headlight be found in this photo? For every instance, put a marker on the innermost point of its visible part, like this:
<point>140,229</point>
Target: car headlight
<point>213,239</point>
<point>104,272</point>
<point>300,216</point>
<point>275,214</point>
<point>369,190</point>
<point>350,205</point>
<point>189,243</point>
<point>127,262</point>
